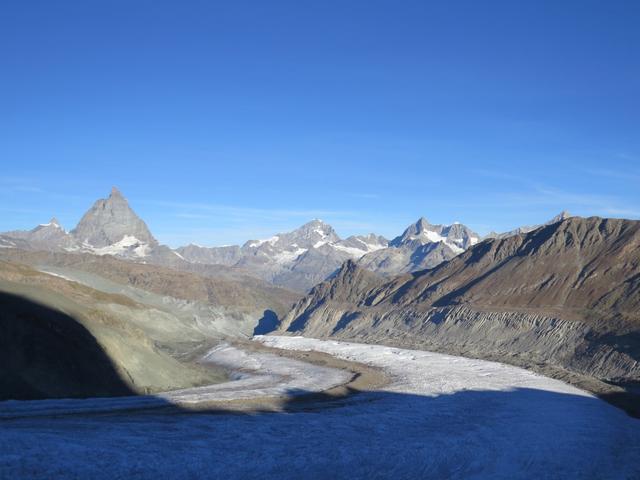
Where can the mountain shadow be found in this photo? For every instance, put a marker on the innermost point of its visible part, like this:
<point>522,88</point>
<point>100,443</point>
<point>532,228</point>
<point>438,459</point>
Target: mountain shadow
<point>267,324</point>
<point>45,353</point>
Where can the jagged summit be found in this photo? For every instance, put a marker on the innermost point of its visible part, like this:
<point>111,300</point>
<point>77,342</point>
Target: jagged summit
<point>563,215</point>
<point>421,224</point>
<point>457,236</point>
<point>110,221</point>
<point>415,229</point>
<point>422,245</point>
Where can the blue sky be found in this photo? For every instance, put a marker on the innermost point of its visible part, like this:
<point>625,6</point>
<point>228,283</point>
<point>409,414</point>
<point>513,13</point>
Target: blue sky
<point>224,121</point>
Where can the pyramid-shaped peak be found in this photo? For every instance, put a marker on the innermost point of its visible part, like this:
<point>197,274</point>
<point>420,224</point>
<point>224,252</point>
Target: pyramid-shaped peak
<point>422,223</point>
<point>110,220</point>
<point>115,192</point>
<point>54,222</point>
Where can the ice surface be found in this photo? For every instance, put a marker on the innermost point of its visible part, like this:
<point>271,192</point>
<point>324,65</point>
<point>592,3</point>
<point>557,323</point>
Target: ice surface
<point>439,417</point>
<point>288,256</point>
<point>264,375</point>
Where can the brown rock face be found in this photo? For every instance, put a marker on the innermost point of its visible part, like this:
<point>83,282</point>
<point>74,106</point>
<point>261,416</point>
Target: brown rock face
<point>588,266</point>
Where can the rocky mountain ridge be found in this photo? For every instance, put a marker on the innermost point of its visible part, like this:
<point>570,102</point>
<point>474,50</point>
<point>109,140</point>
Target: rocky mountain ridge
<point>563,299</point>
<point>298,259</point>
<point>529,228</point>
<point>310,254</point>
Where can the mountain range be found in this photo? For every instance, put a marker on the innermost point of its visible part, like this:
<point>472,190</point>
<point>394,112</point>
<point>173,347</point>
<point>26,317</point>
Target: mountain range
<point>296,260</point>
<point>563,299</point>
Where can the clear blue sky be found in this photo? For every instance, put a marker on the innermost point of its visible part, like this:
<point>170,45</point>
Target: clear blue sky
<point>223,121</point>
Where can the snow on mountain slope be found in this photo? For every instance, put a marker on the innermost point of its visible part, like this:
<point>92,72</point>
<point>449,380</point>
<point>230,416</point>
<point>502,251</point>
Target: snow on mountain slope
<point>422,232</point>
<point>308,255</point>
<point>422,245</point>
<point>127,245</point>
<point>298,259</point>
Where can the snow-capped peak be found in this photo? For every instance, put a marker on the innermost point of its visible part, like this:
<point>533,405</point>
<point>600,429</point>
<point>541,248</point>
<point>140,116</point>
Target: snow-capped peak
<point>456,236</point>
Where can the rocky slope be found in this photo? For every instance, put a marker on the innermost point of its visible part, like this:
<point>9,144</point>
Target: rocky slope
<point>63,339</point>
<point>564,299</point>
<point>229,306</point>
<point>110,221</point>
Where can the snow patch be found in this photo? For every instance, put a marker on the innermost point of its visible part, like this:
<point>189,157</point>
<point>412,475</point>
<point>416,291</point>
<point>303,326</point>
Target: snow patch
<point>119,248</point>
<point>288,256</point>
<point>433,236</point>
<point>271,241</point>
<point>51,224</point>
<point>456,249</point>
<point>352,251</point>
<point>57,275</point>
